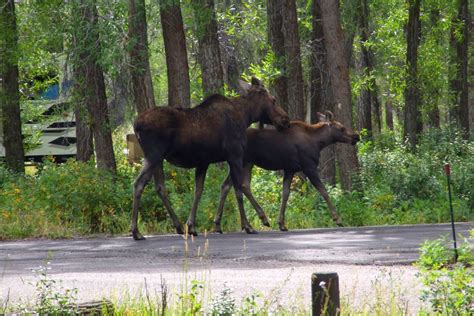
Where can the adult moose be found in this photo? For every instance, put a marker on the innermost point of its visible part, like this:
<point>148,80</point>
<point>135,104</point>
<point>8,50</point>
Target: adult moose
<point>292,150</point>
<point>213,131</point>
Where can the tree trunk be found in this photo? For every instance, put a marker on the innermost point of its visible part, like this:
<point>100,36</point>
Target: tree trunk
<point>412,119</point>
<point>340,85</point>
<point>91,83</point>
<point>389,114</point>
<point>460,85</point>
<point>277,43</point>
<point>320,92</point>
<point>142,85</point>
<point>296,104</point>
<point>368,98</point>
<point>176,54</point>
<point>209,53</point>
<point>9,90</point>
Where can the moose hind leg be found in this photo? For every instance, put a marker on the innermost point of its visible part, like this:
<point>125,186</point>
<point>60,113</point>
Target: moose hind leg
<point>139,184</point>
<point>160,188</point>
<point>225,187</point>
<point>288,176</point>
<point>236,170</point>
<point>200,176</point>
<point>313,177</point>
<point>248,193</point>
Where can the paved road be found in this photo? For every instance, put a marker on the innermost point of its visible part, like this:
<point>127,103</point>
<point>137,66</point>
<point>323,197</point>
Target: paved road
<point>110,262</point>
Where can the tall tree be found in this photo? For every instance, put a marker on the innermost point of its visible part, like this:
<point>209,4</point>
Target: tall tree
<point>176,54</point>
<point>209,53</point>
<point>296,104</point>
<point>320,91</point>
<point>368,99</point>
<point>412,116</point>
<point>142,85</point>
<point>277,43</point>
<point>9,90</point>
<point>460,85</point>
<point>90,81</point>
<point>340,85</point>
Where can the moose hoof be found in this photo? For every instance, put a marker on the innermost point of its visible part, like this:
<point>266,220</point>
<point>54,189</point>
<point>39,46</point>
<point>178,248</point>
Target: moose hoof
<point>218,229</point>
<point>339,224</point>
<point>250,230</point>
<point>191,230</point>
<point>138,236</point>
<point>283,228</point>
<point>265,222</point>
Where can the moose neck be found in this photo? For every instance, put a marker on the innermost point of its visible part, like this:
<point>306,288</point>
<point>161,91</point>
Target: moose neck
<point>249,111</point>
<point>323,135</point>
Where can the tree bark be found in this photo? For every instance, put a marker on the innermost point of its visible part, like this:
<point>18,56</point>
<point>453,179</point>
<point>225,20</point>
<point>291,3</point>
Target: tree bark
<point>412,116</point>
<point>368,98</point>
<point>389,114</point>
<point>176,54</point>
<point>277,43</point>
<point>320,92</point>
<point>209,53</point>
<point>9,89</point>
<point>142,85</point>
<point>460,85</point>
<point>296,103</point>
<point>91,83</point>
<point>340,85</point>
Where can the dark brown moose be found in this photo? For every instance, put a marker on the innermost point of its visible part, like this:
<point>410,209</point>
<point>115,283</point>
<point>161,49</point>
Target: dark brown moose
<point>292,150</point>
<point>213,131</point>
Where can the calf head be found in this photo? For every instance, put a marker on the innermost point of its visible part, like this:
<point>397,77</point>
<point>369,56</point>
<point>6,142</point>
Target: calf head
<point>264,107</point>
<point>339,133</point>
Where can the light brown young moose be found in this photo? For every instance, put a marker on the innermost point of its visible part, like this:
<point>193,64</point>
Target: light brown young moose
<point>292,150</point>
<point>213,131</point>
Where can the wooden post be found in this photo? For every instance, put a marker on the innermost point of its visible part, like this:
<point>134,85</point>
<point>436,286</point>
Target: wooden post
<point>135,152</point>
<point>325,293</point>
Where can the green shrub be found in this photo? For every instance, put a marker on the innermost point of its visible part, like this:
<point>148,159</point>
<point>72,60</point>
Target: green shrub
<point>448,286</point>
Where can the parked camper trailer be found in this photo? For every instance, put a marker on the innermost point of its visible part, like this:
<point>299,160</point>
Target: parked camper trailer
<point>57,129</point>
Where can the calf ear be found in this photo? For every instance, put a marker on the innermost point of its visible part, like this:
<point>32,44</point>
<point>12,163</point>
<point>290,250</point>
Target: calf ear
<point>329,115</point>
<point>244,87</point>
<point>321,117</point>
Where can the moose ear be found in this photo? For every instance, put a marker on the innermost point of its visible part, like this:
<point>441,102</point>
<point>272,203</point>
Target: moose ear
<point>256,83</point>
<point>321,117</point>
<point>244,87</point>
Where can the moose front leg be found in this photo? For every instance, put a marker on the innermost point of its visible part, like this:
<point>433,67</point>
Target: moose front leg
<point>138,186</point>
<point>314,178</point>
<point>199,178</point>
<point>248,193</point>
<point>160,189</point>
<point>288,176</point>
<point>236,171</point>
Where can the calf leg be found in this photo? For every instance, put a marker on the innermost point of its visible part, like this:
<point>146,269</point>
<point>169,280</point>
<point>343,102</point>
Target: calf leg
<point>200,176</point>
<point>287,177</point>
<point>314,178</point>
<point>225,187</point>
<point>160,189</point>
<point>249,195</point>
<point>139,184</point>
<point>236,171</point>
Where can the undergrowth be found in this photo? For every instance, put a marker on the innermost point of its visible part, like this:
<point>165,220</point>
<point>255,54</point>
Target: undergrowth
<point>398,186</point>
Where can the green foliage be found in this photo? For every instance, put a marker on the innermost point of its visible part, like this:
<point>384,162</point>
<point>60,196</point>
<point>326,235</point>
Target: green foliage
<point>51,297</point>
<point>448,285</point>
<point>222,304</point>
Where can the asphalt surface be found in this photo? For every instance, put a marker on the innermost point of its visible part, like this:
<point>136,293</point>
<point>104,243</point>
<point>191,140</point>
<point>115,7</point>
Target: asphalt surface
<point>98,266</point>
